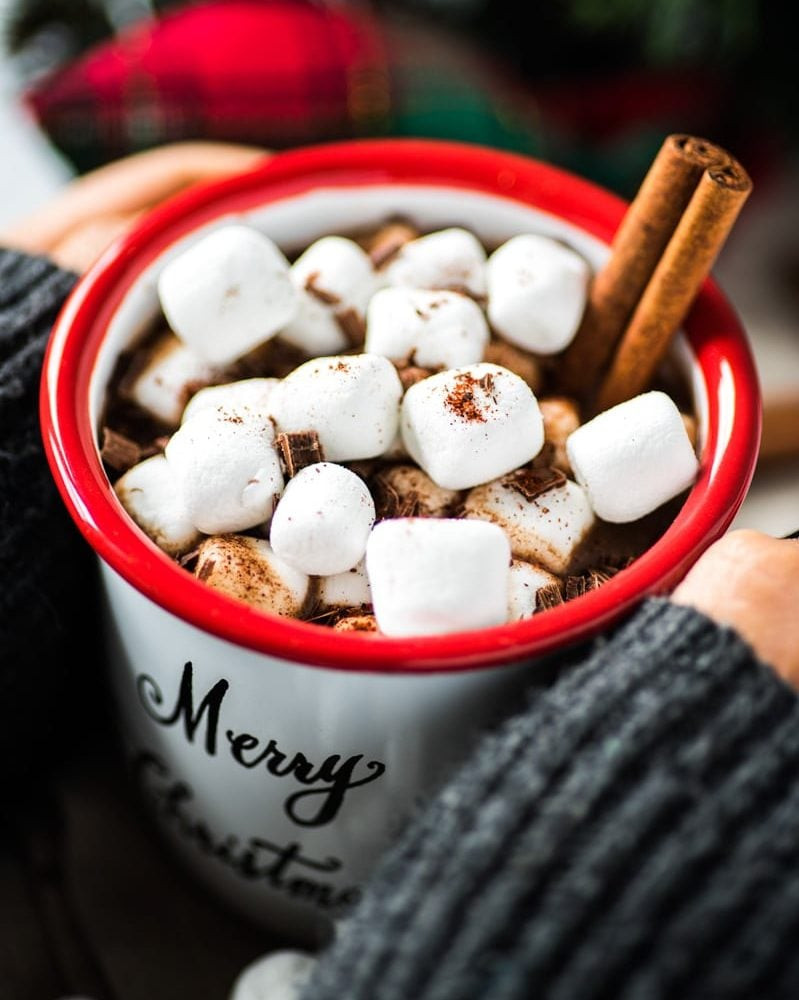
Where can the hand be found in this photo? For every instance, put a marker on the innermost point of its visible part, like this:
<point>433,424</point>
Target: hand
<point>81,221</point>
<point>750,581</point>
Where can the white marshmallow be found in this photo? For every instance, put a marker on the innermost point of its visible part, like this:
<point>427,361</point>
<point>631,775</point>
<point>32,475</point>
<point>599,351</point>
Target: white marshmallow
<point>441,329</point>
<point>537,291</point>
<point>314,328</point>
<point>163,385</point>
<point>469,425</point>
<point>351,401</point>
<point>435,575</point>
<point>633,457</point>
<point>323,519</point>
<point>226,468</point>
<point>411,491</point>
<point>337,269</point>
<point>349,589</point>
<point>546,529</point>
<point>448,258</point>
<point>147,492</point>
<point>227,293</point>
<point>248,394</point>
<point>248,569</point>
<point>526,580</point>
<point>279,975</point>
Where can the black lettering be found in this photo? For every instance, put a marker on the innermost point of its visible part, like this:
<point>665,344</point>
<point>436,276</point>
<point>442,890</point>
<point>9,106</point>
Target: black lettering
<point>151,698</point>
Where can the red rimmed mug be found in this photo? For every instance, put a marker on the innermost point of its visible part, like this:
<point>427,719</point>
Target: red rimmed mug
<point>280,757</point>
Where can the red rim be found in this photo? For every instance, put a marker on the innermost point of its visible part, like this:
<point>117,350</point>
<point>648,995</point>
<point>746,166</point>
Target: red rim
<point>713,330</point>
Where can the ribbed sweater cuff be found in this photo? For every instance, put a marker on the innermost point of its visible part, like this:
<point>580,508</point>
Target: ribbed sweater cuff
<point>629,834</point>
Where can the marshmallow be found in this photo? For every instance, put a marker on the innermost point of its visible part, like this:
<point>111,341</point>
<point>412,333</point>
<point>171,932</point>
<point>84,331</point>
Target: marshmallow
<point>537,291</point>
<point>226,469</point>
<point>338,272</point>
<point>314,328</point>
<point>323,519</point>
<point>227,293</point>
<point>525,581</point>
<point>633,457</point>
<point>448,258</point>
<point>435,575</point>
<point>439,329</point>
<point>147,492</point>
<point>349,589</point>
<point>356,623</point>
<point>163,383</point>
<point>351,401</point>
<point>248,394</point>
<point>248,569</point>
<point>406,491</point>
<point>521,363</point>
<point>543,527</point>
<point>279,975</point>
<point>469,425</point>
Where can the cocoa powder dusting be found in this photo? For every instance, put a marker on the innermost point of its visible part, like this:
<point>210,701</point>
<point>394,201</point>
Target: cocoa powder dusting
<point>461,398</point>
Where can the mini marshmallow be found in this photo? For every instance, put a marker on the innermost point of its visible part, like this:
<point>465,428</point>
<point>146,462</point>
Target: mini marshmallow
<point>406,491</point>
<point>448,258</point>
<point>351,401</point>
<point>248,569</point>
<point>526,580</point>
<point>248,394</point>
<point>314,328</point>
<point>227,293</point>
<point>338,272</point>
<point>349,589</point>
<point>469,425</point>
<point>439,329</point>
<point>435,575</point>
<point>545,528</point>
<point>633,457</point>
<point>279,975</point>
<point>521,363</point>
<point>163,384</point>
<point>537,291</point>
<point>323,519</point>
<point>226,469</point>
<point>147,492</point>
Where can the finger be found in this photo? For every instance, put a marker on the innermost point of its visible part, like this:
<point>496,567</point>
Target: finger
<point>129,185</point>
<point>83,245</point>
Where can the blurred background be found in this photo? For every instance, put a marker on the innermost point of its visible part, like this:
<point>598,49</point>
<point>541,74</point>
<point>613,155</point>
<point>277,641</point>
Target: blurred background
<point>591,85</point>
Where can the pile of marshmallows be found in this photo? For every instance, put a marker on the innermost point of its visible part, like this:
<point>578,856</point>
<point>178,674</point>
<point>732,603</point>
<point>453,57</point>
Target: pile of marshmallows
<point>462,433</point>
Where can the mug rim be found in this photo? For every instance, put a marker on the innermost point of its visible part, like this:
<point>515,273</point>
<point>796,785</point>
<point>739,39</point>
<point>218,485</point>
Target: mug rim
<point>712,328</point>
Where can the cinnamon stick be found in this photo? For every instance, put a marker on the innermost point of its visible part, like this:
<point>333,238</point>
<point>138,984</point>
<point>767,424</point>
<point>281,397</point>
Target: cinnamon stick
<point>637,246</point>
<point>684,264</point>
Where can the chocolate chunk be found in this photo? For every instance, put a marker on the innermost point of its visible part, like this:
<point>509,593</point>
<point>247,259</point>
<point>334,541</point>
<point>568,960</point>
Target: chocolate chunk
<point>388,241</point>
<point>118,451</point>
<point>299,449</point>
<point>549,596</point>
<point>576,586</point>
<point>532,482</point>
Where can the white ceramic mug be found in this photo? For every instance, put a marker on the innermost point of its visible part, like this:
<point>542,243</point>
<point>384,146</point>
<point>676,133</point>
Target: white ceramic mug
<point>281,758</point>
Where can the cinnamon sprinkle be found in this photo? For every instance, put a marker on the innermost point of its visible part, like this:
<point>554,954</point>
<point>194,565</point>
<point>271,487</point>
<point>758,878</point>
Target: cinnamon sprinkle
<point>461,398</point>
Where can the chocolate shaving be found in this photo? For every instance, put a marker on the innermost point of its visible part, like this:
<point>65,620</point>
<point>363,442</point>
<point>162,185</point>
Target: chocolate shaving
<point>388,241</point>
<point>576,586</point>
<point>389,503</point>
<point>118,451</point>
<point>298,449</point>
<point>549,596</point>
<point>352,326</point>
<point>322,294</point>
<point>533,482</point>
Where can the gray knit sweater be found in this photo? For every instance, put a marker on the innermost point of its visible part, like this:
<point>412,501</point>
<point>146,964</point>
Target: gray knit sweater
<point>632,833</point>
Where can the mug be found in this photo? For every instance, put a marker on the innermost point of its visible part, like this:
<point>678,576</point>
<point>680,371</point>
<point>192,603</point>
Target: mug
<point>279,757</point>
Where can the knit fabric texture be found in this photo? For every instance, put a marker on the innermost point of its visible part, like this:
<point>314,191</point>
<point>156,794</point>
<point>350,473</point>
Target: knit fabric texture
<point>632,833</point>
<point>47,610</point>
